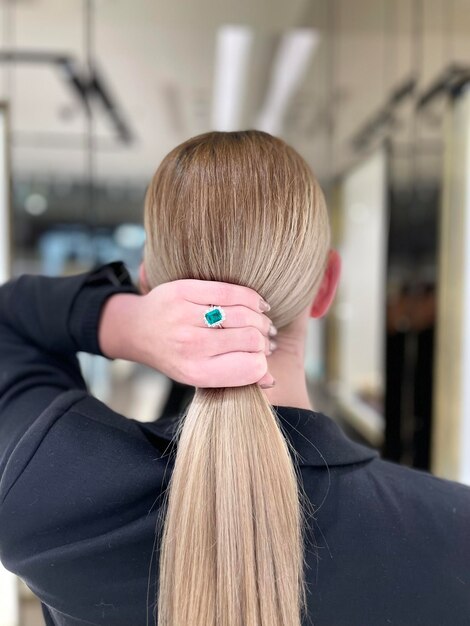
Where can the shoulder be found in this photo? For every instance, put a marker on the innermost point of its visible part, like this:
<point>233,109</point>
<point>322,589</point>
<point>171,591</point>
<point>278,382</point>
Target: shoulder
<point>439,501</point>
<point>81,487</point>
<point>408,531</point>
<point>79,463</point>
<point>413,479</point>
<point>76,430</point>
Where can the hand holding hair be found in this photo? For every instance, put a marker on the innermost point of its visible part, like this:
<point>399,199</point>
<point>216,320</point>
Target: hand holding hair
<point>165,329</point>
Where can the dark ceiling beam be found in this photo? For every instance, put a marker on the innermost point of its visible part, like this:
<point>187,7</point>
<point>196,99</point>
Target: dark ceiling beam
<point>385,114</point>
<point>450,81</point>
<point>85,88</point>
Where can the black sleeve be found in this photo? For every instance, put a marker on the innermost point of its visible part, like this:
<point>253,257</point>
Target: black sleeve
<point>44,322</point>
<point>80,484</point>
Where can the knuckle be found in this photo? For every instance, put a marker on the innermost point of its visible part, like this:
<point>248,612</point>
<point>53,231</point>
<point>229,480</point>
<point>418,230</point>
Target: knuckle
<point>172,289</point>
<point>176,315</point>
<point>183,337</point>
<point>266,346</point>
<point>247,339</point>
<point>255,339</point>
<point>198,344</point>
<point>221,293</point>
<point>190,372</point>
<point>259,366</point>
<point>252,297</point>
<point>266,324</point>
<point>239,316</point>
<point>181,288</point>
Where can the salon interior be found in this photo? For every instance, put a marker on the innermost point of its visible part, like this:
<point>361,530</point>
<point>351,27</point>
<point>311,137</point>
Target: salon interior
<point>374,94</point>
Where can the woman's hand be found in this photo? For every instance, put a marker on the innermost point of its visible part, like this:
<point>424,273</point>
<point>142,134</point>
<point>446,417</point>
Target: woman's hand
<point>165,330</point>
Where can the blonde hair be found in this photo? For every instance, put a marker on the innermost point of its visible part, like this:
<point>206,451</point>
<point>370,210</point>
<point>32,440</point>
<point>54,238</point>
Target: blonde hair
<point>240,207</point>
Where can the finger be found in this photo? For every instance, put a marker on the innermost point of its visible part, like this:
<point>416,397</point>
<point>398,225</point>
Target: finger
<point>234,369</point>
<point>248,339</point>
<point>267,381</point>
<point>237,316</point>
<point>224,294</point>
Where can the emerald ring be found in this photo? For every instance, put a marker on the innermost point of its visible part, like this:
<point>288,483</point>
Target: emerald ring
<point>214,317</point>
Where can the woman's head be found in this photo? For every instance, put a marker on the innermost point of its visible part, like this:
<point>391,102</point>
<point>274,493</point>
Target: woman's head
<point>240,207</point>
<point>245,208</point>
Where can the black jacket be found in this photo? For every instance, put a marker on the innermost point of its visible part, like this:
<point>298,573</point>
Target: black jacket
<point>81,487</point>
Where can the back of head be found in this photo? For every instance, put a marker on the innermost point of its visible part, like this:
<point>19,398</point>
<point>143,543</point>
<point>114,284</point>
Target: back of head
<point>245,208</point>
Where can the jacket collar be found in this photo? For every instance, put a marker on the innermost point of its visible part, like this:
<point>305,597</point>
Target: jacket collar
<point>318,440</point>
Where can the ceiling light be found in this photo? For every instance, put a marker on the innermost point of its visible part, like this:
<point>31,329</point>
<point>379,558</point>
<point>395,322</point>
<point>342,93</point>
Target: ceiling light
<point>289,67</point>
<point>231,66</point>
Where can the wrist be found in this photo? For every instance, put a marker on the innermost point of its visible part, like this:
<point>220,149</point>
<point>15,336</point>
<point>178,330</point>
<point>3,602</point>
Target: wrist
<point>118,325</point>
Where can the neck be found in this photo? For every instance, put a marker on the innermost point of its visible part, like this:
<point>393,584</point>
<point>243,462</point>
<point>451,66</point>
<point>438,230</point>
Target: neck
<point>286,364</point>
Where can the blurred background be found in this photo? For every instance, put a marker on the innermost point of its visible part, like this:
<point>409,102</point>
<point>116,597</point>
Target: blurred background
<point>373,93</point>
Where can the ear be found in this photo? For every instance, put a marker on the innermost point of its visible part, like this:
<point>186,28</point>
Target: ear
<point>327,290</point>
<point>143,284</point>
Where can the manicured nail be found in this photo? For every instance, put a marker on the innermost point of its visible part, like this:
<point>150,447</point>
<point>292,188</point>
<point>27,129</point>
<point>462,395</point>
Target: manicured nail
<point>263,305</point>
<point>268,386</point>
<point>272,330</point>
<point>272,345</point>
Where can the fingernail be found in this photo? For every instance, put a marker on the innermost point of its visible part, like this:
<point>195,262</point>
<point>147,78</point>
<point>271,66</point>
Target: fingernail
<point>263,305</point>
<point>268,386</point>
<point>272,330</point>
<point>272,345</point>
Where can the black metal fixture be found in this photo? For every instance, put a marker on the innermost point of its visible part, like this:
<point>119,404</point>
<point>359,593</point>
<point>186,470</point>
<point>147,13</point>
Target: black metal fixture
<point>453,78</point>
<point>385,115</point>
<point>85,85</point>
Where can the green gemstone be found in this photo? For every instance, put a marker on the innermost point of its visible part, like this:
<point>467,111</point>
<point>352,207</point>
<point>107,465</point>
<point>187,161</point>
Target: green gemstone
<point>213,317</point>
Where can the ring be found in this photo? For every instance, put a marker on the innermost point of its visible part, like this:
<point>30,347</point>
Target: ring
<point>214,317</point>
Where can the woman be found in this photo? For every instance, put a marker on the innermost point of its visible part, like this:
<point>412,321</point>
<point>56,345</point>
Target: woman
<point>272,516</point>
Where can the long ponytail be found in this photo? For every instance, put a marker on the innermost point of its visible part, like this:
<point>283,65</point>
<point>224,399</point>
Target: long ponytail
<point>232,547</point>
<point>239,207</point>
